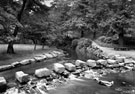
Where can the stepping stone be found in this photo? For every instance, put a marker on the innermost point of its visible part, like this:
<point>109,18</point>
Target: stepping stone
<point>120,59</point>
<point>39,58</point>
<point>3,84</point>
<point>5,67</point>
<point>111,61</point>
<point>43,72</point>
<point>48,55</point>
<point>70,67</point>
<point>59,68</point>
<point>91,63</point>
<point>14,64</point>
<point>25,62</point>
<point>22,77</point>
<point>80,63</point>
<point>102,62</point>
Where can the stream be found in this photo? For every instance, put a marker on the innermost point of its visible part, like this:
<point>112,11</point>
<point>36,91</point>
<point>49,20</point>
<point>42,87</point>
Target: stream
<point>124,83</point>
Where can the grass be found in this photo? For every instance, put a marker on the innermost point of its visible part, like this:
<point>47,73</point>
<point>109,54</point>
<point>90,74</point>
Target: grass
<point>22,51</point>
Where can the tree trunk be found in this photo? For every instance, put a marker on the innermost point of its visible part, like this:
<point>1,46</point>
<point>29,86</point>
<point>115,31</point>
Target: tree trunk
<point>121,39</point>
<point>10,49</point>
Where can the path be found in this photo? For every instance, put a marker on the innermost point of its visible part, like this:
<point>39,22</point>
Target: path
<point>111,51</point>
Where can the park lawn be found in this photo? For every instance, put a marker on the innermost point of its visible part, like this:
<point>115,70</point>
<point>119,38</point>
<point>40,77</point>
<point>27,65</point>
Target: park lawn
<point>22,51</point>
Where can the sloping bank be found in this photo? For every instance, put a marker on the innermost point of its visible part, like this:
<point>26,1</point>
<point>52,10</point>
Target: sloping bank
<point>94,67</point>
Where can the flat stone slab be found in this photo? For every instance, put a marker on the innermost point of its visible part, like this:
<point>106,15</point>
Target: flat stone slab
<point>53,54</point>
<point>111,61</point>
<point>25,62</point>
<point>80,63</point>
<point>70,66</point>
<point>43,72</point>
<point>5,67</point>
<point>22,77</point>
<point>48,55</point>
<point>120,59</point>
<point>59,68</point>
<point>2,81</point>
<point>91,63</point>
<point>39,58</point>
<point>102,62</point>
<point>14,64</point>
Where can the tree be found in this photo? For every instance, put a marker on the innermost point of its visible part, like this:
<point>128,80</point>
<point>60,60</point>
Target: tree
<point>18,7</point>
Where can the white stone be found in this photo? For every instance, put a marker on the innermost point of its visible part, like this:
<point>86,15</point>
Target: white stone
<point>59,68</point>
<point>57,52</point>
<point>5,67</point>
<point>15,64</point>
<point>102,62</point>
<point>91,63</point>
<point>129,61</point>
<point>32,60</point>
<point>3,81</point>
<point>48,55</point>
<point>120,59</point>
<point>110,61</point>
<point>25,62</point>
<point>43,72</point>
<point>39,58</point>
<point>80,63</point>
<point>22,77</point>
<point>70,67</point>
<point>54,54</point>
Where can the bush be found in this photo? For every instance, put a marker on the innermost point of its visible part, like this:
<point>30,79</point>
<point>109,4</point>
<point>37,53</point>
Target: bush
<point>105,39</point>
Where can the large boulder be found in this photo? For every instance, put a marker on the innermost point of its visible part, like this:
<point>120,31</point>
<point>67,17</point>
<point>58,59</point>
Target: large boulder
<point>59,68</point>
<point>70,66</point>
<point>3,84</point>
<point>91,63</point>
<point>80,63</point>
<point>43,72</point>
<point>22,77</point>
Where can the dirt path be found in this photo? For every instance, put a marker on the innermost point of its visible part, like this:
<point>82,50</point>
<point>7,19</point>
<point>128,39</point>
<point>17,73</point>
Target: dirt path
<point>111,51</point>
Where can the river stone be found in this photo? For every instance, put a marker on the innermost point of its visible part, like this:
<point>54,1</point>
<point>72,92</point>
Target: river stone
<point>129,61</point>
<point>59,68</point>
<point>53,54</point>
<point>39,58</point>
<point>80,63</point>
<point>14,64</point>
<point>3,84</point>
<point>102,62</point>
<point>70,67</point>
<point>22,77</point>
<point>110,61</point>
<point>91,63</point>
<point>32,60</point>
<point>5,67</point>
<point>43,72</point>
<point>48,55</point>
<point>120,59</point>
<point>25,62</point>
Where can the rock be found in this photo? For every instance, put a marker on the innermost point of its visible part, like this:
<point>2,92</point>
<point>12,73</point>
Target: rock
<point>48,55</point>
<point>25,62</point>
<point>12,91</point>
<point>91,63</point>
<point>57,52</point>
<point>5,67</point>
<point>80,63</point>
<point>102,62</point>
<point>120,59</point>
<point>22,77</point>
<point>59,68</point>
<point>121,64</point>
<point>32,61</point>
<point>90,74</point>
<point>128,67</point>
<point>53,54</point>
<point>14,64</point>
<point>41,88</point>
<point>129,61</point>
<point>66,73</point>
<point>70,67</point>
<point>110,61</point>
<point>43,72</point>
<point>3,84</point>
<point>105,83</point>
<point>39,58</point>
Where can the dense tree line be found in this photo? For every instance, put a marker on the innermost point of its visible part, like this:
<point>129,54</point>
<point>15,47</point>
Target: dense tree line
<point>33,18</point>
